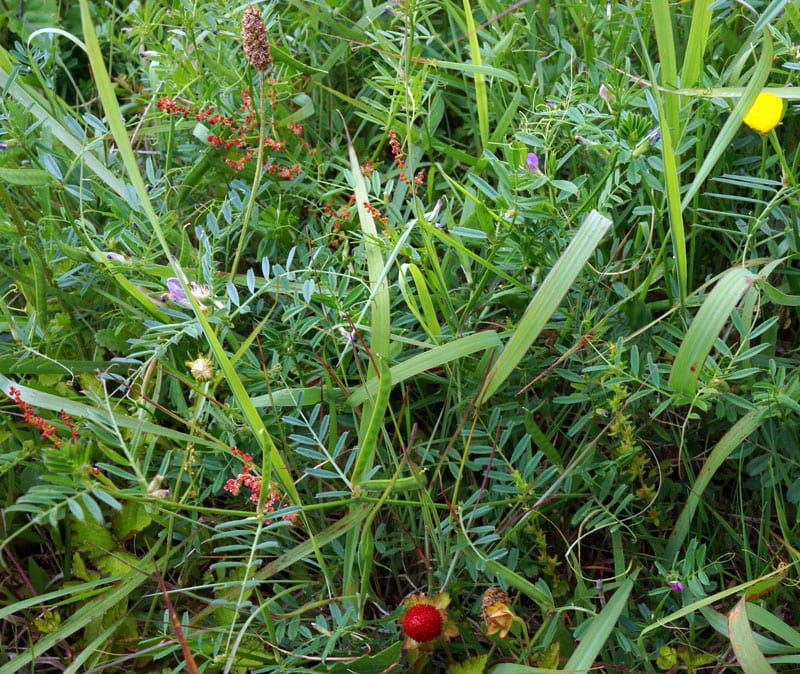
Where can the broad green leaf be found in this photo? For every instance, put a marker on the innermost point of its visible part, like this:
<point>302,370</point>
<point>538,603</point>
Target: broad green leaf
<point>733,439</point>
<point>547,299</point>
<point>28,177</point>
<point>476,665</point>
<point>705,329</point>
<point>596,635</point>
<point>744,645</point>
<point>513,668</point>
<point>379,663</point>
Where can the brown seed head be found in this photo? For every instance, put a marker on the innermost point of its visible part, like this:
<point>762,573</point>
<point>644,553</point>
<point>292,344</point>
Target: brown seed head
<point>255,40</point>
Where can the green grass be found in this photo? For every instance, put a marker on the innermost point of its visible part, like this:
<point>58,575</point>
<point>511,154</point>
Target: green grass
<point>433,369</point>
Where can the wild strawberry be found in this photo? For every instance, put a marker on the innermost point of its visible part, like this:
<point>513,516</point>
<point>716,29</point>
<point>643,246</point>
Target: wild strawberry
<point>422,622</point>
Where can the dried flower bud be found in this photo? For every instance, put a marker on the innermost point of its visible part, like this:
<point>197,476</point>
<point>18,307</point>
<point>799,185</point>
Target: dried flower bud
<point>202,368</point>
<point>153,490</point>
<point>497,612</point>
<point>255,40</point>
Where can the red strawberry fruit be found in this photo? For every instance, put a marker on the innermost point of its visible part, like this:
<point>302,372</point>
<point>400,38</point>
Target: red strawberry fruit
<point>422,623</point>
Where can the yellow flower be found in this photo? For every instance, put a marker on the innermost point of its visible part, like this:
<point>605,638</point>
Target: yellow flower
<point>765,113</point>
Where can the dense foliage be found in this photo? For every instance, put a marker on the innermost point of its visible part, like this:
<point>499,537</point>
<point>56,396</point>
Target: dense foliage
<point>427,336</point>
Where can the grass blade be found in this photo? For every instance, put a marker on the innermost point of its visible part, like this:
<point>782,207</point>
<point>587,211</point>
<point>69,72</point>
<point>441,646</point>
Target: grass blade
<point>744,644</point>
<point>734,121</point>
<point>271,456</point>
<point>740,431</point>
<point>696,45</point>
<point>90,612</point>
<point>481,98</point>
<point>547,299</point>
<point>596,636</point>
<point>706,327</point>
<point>706,601</point>
<point>665,40</point>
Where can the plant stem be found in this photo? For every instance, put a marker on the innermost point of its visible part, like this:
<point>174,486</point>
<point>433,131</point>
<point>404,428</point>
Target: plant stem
<point>256,179</point>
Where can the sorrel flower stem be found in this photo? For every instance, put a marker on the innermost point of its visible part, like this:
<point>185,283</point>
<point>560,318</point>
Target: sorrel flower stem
<point>256,176</point>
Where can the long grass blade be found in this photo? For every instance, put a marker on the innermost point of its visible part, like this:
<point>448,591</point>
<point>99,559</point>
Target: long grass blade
<point>696,44</point>
<point>740,431</point>
<point>481,97</point>
<point>734,121</point>
<point>744,645</point>
<point>665,40</point>
<point>547,298</point>
<point>271,457</point>
<point>597,634</point>
<point>706,327</point>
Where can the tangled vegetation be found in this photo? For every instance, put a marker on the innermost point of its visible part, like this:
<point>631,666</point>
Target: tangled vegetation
<point>414,336</point>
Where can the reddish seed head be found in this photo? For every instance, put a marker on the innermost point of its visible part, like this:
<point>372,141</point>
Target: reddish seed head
<point>422,623</point>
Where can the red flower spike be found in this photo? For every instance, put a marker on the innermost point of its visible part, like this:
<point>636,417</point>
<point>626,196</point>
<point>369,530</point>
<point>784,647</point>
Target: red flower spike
<point>422,623</point>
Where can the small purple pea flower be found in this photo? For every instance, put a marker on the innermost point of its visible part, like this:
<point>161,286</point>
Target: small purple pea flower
<point>654,135</point>
<point>176,292</point>
<point>532,162</point>
<point>675,585</point>
<point>605,93</point>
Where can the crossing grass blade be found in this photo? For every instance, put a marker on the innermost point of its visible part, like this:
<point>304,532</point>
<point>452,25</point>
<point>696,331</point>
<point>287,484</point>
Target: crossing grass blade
<point>740,431</point>
<point>36,106</point>
<point>416,365</point>
<point>665,41</point>
<point>705,601</point>
<point>744,644</point>
<point>89,613</point>
<point>672,181</point>
<point>379,286</point>
<point>582,659</point>
<point>55,403</point>
<point>367,443</point>
<point>706,327</point>
<point>547,298</point>
<point>734,121</point>
<point>481,97</point>
<point>696,44</point>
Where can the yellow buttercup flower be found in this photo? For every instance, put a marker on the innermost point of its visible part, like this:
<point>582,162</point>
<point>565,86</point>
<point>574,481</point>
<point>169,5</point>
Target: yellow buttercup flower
<point>765,113</point>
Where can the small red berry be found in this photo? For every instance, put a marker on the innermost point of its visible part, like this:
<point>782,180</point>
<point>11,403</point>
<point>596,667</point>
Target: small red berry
<point>422,623</point>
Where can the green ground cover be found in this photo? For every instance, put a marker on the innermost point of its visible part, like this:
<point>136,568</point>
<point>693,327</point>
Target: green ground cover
<point>419,336</point>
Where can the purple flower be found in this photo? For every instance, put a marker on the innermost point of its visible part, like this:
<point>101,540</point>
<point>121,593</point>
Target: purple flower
<point>532,162</point>
<point>605,93</point>
<point>675,585</point>
<point>654,135</point>
<point>200,292</point>
<point>176,292</point>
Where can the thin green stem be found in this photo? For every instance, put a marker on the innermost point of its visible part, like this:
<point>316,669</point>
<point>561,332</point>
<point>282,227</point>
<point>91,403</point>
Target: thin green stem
<point>256,179</point>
